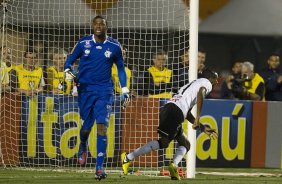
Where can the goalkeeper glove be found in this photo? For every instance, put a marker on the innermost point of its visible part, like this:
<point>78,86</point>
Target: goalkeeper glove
<point>125,97</point>
<point>69,74</point>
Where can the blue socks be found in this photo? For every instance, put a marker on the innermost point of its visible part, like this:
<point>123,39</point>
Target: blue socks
<point>83,137</point>
<point>101,150</point>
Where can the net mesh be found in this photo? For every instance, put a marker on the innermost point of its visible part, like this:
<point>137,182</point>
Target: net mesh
<point>43,130</point>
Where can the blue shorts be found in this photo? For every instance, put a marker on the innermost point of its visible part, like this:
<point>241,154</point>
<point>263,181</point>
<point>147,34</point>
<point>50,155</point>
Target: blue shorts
<point>95,106</point>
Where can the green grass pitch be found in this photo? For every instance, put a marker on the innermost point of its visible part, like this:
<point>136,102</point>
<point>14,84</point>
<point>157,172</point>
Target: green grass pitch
<point>203,176</point>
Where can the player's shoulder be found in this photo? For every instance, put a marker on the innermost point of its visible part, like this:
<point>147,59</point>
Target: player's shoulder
<point>113,42</point>
<point>203,80</point>
<point>84,39</point>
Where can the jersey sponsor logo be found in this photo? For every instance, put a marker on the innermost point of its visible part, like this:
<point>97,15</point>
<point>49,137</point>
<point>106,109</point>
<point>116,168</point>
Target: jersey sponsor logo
<point>86,52</point>
<point>87,44</point>
<point>108,54</point>
<point>175,98</point>
<point>98,47</point>
<point>31,76</point>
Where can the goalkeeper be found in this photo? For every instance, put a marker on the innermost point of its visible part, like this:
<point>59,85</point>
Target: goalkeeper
<point>97,54</point>
<point>171,117</point>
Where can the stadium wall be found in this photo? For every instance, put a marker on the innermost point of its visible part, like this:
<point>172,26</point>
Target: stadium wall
<point>249,132</point>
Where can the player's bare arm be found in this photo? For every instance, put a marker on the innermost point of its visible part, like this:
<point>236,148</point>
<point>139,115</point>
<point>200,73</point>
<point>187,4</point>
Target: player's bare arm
<point>200,99</point>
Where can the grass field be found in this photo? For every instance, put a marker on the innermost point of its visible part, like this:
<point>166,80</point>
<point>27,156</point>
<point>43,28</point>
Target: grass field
<point>203,176</point>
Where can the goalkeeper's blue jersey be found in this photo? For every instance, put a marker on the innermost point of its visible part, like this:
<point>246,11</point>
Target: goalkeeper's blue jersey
<point>95,64</point>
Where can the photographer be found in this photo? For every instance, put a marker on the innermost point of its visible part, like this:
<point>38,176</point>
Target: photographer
<point>250,86</point>
<point>226,87</point>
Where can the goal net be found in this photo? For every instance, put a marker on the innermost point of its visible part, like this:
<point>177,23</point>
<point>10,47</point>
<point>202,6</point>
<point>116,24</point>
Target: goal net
<point>40,127</point>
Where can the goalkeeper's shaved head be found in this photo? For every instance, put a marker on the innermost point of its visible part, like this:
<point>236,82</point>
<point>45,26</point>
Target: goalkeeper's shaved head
<point>99,25</point>
<point>99,17</point>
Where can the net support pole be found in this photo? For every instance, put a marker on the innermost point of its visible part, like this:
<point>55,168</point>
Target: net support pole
<point>193,72</point>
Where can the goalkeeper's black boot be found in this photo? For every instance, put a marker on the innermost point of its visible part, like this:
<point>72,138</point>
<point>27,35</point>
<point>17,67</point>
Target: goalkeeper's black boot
<point>100,174</point>
<point>82,154</point>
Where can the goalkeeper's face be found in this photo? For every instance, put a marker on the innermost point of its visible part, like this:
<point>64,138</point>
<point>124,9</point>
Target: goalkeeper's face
<point>99,27</point>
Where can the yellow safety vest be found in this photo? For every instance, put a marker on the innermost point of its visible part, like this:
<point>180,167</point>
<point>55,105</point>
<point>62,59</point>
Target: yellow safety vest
<point>253,84</point>
<point>11,68</point>
<point>55,80</point>
<point>28,80</point>
<point>116,79</point>
<point>4,76</point>
<point>163,76</point>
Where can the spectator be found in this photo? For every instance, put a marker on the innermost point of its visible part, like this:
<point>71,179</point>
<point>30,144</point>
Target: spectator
<point>201,60</point>
<point>184,70</point>
<point>27,78</point>
<point>226,87</point>
<point>4,68</point>
<point>158,78</point>
<point>250,86</point>
<point>57,83</point>
<point>115,74</point>
<point>273,79</point>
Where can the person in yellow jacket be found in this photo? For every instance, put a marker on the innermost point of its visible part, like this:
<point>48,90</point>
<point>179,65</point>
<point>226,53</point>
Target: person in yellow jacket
<point>57,82</point>
<point>4,69</point>
<point>252,84</point>
<point>115,74</point>
<point>29,76</point>
<point>158,78</point>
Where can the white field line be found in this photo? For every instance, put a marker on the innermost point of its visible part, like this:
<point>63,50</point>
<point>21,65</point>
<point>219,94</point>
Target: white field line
<point>152,173</point>
<point>255,174</point>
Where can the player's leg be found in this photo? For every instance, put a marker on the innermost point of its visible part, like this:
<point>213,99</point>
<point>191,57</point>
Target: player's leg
<point>85,102</point>
<point>101,150</point>
<point>167,132</point>
<point>171,119</point>
<point>103,109</point>
<point>183,148</point>
<point>126,159</point>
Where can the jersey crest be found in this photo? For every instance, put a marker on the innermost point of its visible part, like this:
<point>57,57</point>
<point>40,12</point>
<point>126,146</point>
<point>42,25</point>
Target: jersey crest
<point>108,54</point>
<point>31,85</point>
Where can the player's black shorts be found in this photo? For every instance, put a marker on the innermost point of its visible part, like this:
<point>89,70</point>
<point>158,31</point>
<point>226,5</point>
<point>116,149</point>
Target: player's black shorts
<point>171,119</point>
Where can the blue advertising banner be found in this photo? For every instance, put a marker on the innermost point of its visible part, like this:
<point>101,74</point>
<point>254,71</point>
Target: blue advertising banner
<point>50,128</point>
<point>233,122</point>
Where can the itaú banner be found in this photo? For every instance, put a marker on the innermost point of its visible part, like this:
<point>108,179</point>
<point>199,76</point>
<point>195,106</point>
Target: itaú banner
<point>233,122</point>
<point>50,131</point>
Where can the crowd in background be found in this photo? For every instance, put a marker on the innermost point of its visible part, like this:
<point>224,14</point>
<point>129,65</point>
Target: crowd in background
<point>242,82</point>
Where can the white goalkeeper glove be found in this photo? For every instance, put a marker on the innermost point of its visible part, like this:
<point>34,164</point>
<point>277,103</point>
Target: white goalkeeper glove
<point>125,97</point>
<point>69,75</point>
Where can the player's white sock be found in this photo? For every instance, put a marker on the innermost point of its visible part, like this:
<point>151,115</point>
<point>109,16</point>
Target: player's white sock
<point>150,146</point>
<point>180,152</point>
